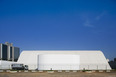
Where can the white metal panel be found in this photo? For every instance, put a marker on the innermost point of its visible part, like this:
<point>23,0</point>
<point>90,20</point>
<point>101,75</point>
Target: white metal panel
<point>29,59</point>
<point>5,64</point>
<point>58,62</point>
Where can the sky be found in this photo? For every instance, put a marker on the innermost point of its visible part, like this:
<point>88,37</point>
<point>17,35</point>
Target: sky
<point>59,25</point>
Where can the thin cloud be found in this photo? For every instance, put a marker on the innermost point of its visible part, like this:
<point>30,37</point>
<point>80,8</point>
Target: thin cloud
<point>88,24</point>
<point>100,16</point>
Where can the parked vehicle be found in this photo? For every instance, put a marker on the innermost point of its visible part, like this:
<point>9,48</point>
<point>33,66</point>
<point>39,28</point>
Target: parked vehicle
<point>19,67</point>
<point>26,67</point>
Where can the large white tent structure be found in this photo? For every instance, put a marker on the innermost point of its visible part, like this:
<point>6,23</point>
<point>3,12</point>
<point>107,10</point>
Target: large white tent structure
<point>64,60</point>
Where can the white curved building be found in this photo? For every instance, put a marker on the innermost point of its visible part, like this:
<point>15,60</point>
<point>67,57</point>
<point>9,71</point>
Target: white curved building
<point>64,60</point>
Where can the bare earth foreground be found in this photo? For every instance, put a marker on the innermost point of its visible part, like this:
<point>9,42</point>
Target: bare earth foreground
<point>56,74</point>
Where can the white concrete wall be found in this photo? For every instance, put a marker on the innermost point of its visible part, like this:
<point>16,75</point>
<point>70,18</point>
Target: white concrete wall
<point>58,62</point>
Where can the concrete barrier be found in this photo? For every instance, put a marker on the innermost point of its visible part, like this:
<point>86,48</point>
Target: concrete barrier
<point>40,70</point>
<point>26,71</point>
<point>33,71</point>
<point>93,71</point>
<point>7,70</point>
<point>74,70</point>
<point>101,71</point>
<point>59,70</point>
<point>13,71</point>
<point>107,70</point>
<point>50,71</point>
<point>19,71</point>
<point>67,71</point>
<point>1,70</point>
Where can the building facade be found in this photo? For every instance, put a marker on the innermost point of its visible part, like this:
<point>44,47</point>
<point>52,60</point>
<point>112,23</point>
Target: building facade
<point>9,52</point>
<point>113,64</point>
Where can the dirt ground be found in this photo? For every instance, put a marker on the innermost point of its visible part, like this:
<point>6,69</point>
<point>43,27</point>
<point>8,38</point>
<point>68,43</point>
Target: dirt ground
<point>56,74</point>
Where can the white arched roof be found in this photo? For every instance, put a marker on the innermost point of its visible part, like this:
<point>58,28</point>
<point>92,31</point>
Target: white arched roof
<point>87,57</point>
